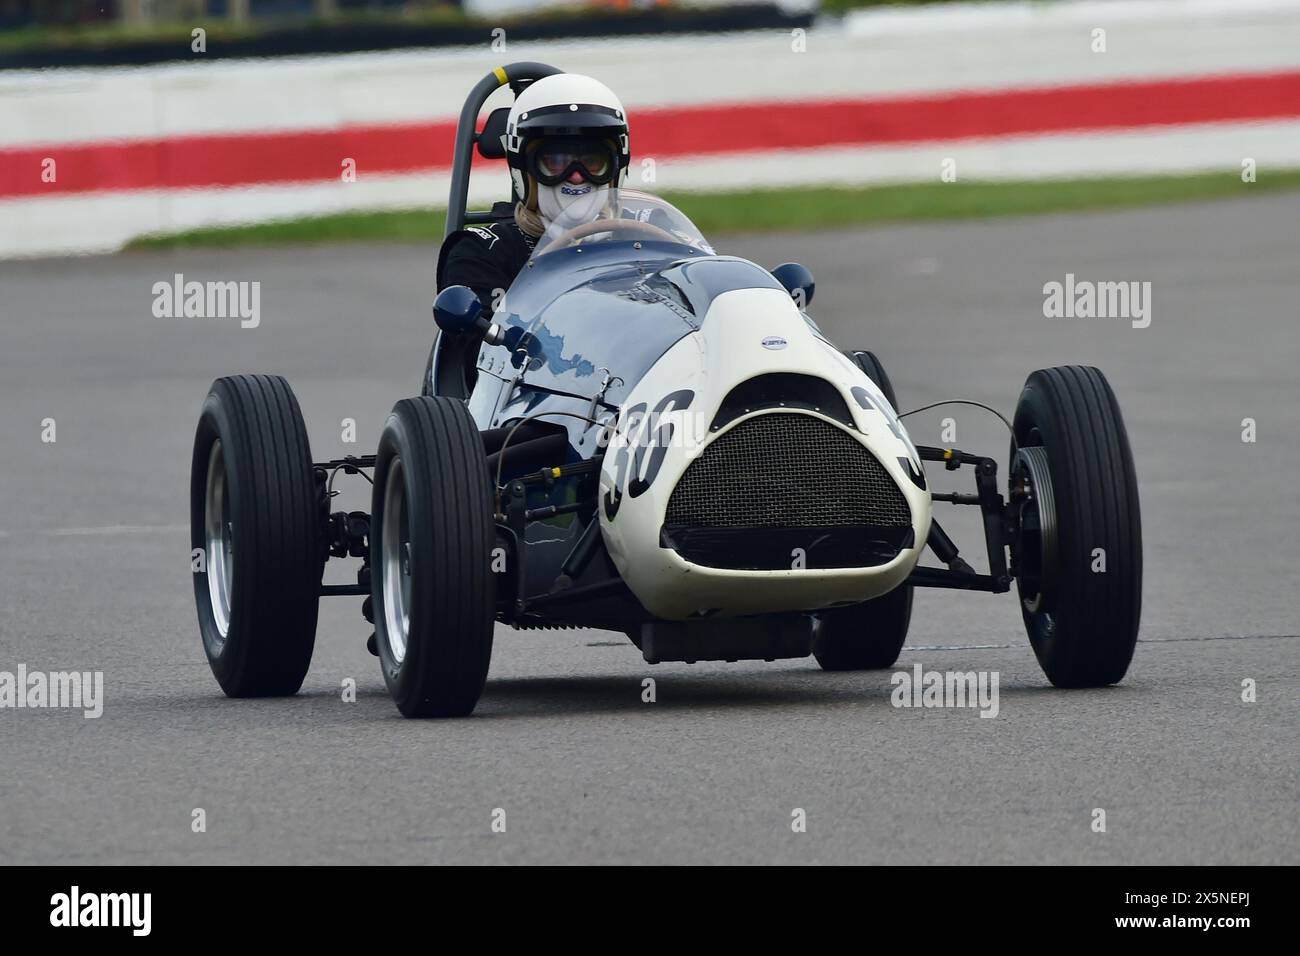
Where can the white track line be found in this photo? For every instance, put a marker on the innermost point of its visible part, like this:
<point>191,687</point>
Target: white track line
<point>110,530</point>
<point>1141,640</point>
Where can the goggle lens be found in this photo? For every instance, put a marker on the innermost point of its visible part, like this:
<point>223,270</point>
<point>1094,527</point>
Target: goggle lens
<point>557,161</point>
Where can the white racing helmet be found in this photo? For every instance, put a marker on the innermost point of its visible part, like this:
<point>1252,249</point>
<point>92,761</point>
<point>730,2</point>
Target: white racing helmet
<point>558,124</point>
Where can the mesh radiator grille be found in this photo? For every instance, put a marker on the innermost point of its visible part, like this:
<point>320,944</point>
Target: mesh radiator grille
<point>783,470</point>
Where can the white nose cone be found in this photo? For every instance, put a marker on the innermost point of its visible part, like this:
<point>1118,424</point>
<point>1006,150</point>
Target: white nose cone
<point>793,504</point>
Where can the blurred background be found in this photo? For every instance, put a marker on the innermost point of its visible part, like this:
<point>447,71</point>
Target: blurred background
<point>121,119</point>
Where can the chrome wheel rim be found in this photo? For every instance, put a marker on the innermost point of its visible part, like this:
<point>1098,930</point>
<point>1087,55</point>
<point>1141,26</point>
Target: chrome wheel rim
<point>395,563</point>
<point>219,538</point>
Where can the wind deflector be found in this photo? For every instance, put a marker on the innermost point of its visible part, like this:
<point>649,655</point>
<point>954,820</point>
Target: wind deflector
<point>703,280</point>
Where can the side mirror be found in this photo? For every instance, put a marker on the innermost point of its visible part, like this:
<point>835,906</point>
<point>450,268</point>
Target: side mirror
<point>457,310</point>
<point>798,281</point>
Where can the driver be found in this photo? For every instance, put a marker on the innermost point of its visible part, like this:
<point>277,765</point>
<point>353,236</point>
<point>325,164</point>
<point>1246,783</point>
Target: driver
<point>566,144</point>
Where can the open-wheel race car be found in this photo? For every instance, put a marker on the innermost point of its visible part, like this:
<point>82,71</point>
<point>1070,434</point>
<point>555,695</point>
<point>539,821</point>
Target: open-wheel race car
<point>648,438</point>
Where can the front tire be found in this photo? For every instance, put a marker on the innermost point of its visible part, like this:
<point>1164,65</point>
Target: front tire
<point>431,539</point>
<point>1077,550</point>
<point>254,521</point>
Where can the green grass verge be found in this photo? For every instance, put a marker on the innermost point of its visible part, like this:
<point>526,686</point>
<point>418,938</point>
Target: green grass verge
<point>843,6</point>
<point>107,34</point>
<point>100,34</point>
<point>786,209</point>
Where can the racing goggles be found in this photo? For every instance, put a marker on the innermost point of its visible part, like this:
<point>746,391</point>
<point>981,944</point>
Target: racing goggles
<point>555,160</point>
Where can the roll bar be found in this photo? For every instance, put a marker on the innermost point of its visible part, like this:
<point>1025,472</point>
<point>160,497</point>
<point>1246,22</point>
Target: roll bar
<point>518,75</point>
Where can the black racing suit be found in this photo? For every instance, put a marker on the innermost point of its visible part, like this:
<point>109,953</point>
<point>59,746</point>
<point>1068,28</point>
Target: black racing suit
<point>486,258</point>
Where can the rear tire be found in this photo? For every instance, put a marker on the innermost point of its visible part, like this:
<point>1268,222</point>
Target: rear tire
<point>452,367</point>
<point>254,518</point>
<point>867,636</point>
<point>1075,489</point>
<point>863,637</point>
<point>874,370</point>
<point>431,539</point>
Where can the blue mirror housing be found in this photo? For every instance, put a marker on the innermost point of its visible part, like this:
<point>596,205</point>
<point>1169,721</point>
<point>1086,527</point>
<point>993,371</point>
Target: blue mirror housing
<point>798,281</point>
<point>457,310</point>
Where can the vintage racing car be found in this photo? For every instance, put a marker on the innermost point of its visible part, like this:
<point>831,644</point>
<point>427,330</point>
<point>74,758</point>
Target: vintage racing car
<point>657,440</point>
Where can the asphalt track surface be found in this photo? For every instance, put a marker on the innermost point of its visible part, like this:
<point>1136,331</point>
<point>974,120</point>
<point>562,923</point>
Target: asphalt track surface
<point>94,575</point>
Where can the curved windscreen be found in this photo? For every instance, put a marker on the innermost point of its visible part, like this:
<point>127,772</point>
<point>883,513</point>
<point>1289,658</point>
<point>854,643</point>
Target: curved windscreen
<point>630,216</point>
